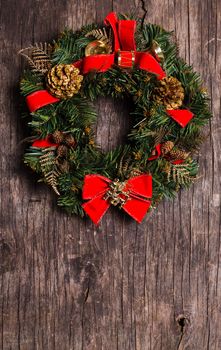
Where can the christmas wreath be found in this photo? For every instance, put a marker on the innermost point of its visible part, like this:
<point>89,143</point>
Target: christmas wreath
<point>126,58</point>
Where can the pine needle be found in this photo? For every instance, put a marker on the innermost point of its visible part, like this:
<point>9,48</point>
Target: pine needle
<point>101,34</point>
<point>159,135</point>
<point>51,179</point>
<point>38,56</point>
<point>182,174</point>
<point>49,168</point>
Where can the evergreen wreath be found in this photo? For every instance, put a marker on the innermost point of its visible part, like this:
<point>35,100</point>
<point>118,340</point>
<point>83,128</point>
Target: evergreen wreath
<point>125,59</point>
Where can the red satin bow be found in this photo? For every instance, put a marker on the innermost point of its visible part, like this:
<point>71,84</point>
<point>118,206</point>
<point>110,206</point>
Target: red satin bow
<point>124,50</point>
<point>95,190</point>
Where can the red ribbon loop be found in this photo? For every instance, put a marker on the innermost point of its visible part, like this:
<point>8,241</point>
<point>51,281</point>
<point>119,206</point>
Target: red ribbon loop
<point>111,19</point>
<point>181,116</point>
<point>96,187</point>
<point>39,99</point>
<point>126,30</point>
<point>123,30</point>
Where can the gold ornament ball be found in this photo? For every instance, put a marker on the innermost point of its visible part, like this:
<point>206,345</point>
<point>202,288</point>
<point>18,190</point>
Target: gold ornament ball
<point>97,47</point>
<point>156,49</point>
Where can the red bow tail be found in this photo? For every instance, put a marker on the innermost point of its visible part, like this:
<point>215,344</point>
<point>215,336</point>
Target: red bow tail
<point>95,186</point>
<point>39,99</point>
<point>181,116</point>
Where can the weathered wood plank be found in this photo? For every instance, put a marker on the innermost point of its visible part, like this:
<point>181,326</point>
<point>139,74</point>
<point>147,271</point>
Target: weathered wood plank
<point>68,285</point>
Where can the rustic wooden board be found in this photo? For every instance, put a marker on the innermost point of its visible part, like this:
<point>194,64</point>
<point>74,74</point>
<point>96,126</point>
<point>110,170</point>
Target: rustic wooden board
<point>68,285</point>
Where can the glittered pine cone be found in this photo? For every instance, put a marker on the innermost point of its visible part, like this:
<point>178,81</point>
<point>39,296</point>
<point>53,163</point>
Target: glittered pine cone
<point>167,147</point>
<point>177,154</point>
<point>169,92</point>
<point>63,81</point>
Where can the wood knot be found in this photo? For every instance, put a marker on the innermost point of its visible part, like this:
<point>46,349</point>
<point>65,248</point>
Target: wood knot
<point>7,256</point>
<point>86,271</point>
<point>182,321</point>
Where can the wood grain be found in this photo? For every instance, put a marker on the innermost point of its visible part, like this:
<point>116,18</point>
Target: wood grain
<point>67,285</point>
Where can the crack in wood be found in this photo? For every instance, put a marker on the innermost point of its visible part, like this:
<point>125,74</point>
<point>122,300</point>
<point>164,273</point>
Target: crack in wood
<point>87,293</point>
<point>182,322</point>
<point>143,7</point>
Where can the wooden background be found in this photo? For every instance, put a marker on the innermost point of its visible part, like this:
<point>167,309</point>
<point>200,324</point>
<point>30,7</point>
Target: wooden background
<point>68,285</point>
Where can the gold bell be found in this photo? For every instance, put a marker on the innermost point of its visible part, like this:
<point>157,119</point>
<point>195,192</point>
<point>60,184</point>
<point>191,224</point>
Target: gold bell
<point>97,47</point>
<point>156,49</point>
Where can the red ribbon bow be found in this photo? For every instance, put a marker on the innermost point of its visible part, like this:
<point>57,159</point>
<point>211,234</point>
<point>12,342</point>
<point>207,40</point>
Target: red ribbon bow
<point>124,51</point>
<point>134,196</point>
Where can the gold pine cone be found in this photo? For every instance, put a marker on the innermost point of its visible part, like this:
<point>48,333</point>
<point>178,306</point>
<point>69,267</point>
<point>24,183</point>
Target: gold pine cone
<point>135,172</point>
<point>167,147</point>
<point>177,154</point>
<point>169,92</point>
<point>63,81</point>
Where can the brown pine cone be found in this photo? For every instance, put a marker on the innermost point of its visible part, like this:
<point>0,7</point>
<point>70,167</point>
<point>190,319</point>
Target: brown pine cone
<point>62,151</point>
<point>58,136</point>
<point>167,147</point>
<point>169,92</point>
<point>178,154</point>
<point>63,81</point>
<point>70,140</point>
